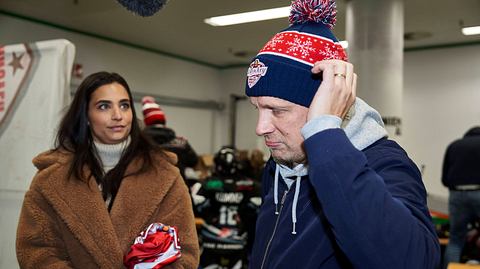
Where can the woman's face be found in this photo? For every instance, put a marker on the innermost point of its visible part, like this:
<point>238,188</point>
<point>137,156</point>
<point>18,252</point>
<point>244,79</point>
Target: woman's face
<point>109,114</point>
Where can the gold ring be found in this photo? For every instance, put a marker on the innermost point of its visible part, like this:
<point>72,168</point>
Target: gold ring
<point>340,75</point>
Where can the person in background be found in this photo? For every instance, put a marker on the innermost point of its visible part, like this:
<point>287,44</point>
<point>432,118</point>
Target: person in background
<point>257,163</point>
<point>461,175</point>
<point>155,127</point>
<point>228,203</point>
<point>336,193</point>
<point>100,186</point>
<point>252,166</point>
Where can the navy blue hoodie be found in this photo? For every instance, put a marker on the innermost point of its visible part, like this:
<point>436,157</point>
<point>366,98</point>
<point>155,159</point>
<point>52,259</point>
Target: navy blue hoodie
<point>356,209</point>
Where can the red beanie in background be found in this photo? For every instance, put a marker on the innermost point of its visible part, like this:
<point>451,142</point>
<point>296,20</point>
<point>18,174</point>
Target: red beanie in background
<point>152,113</point>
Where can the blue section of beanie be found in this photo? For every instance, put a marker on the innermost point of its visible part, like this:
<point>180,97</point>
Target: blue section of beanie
<point>289,79</point>
<point>285,79</point>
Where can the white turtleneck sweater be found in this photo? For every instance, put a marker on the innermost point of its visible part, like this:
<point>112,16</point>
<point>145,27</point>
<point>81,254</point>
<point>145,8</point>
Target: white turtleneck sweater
<point>109,155</point>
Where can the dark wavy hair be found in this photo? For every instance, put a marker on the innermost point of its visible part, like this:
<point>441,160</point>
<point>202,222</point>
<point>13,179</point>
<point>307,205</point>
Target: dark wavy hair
<point>74,135</point>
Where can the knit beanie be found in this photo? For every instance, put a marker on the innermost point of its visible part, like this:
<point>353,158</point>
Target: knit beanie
<point>283,66</point>
<point>152,113</point>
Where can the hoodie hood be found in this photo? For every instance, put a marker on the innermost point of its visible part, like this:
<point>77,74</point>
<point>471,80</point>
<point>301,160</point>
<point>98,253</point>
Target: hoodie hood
<point>363,125</point>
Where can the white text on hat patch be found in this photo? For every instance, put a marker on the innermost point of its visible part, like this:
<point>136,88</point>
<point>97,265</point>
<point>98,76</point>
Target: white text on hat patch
<point>256,70</point>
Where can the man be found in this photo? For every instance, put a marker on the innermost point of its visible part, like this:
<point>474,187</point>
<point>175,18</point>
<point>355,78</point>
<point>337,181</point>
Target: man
<point>461,175</point>
<point>336,193</point>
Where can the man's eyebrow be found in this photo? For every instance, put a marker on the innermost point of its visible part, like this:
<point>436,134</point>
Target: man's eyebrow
<point>270,106</point>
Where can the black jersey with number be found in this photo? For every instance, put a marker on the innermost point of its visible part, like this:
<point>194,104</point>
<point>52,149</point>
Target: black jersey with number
<point>229,208</point>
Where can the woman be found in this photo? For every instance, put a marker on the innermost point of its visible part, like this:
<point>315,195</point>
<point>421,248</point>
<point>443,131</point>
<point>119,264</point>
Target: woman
<point>100,186</point>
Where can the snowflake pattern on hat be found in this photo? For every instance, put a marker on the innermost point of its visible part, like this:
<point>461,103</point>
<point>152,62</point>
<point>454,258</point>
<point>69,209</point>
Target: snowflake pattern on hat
<point>303,47</point>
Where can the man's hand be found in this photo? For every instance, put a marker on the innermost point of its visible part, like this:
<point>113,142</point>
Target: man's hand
<point>337,91</point>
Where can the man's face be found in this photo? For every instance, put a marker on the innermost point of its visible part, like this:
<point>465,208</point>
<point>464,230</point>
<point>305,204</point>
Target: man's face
<point>279,122</point>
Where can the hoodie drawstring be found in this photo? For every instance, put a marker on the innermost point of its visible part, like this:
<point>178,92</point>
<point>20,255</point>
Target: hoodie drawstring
<point>294,205</point>
<point>275,189</point>
<point>299,175</point>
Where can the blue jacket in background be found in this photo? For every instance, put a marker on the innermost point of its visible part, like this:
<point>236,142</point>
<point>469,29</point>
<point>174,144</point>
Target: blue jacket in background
<point>356,209</point>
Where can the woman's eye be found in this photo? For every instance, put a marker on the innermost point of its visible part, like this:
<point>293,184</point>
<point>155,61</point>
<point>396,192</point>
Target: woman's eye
<point>103,106</point>
<point>125,106</point>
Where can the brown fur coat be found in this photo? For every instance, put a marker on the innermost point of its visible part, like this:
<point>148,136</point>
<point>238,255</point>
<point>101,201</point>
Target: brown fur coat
<point>65,223</point>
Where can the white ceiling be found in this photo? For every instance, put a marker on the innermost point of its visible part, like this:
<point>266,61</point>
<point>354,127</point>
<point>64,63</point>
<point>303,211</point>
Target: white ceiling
<point>178,29</point>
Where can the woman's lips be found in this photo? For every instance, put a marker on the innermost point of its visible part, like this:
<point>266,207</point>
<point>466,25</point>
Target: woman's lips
<point>117,128</point>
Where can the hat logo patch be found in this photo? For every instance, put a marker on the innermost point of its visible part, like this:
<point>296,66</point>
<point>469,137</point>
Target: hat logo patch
<point>256,71</point>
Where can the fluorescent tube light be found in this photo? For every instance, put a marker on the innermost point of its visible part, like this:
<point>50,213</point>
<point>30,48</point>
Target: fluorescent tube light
<point>474,30</point>
<point>259,15</point>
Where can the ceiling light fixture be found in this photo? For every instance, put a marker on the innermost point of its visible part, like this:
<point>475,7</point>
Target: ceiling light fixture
<point>474,30</point>
<point>259,15</point>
